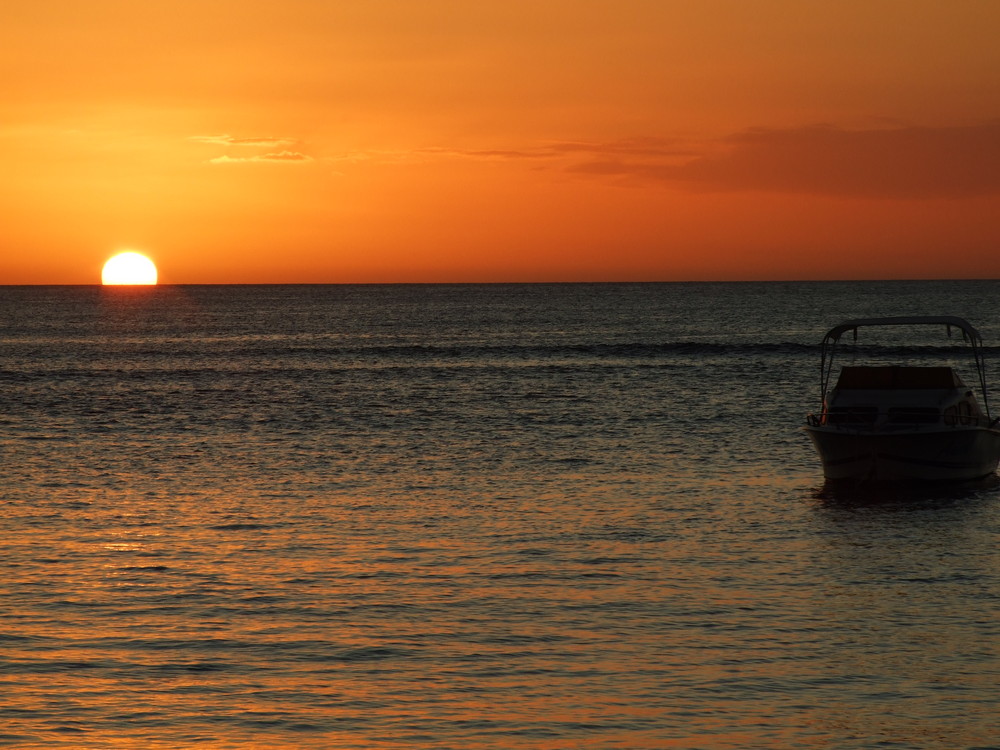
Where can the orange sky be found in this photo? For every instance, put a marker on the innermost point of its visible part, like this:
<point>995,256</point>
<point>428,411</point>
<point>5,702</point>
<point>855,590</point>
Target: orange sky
<point>513,140</point>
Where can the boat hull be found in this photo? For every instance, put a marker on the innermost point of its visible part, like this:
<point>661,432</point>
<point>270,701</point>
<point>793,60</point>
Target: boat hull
<point>951,454</point>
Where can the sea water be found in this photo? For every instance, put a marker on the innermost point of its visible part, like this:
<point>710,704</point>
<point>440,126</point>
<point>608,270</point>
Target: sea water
<point>460,516</point>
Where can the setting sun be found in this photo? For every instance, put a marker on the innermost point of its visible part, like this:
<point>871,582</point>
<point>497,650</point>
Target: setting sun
<point>129,268</point>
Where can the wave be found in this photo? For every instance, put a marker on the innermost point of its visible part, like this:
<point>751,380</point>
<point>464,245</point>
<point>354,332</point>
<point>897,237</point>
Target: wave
<point>184,362</point>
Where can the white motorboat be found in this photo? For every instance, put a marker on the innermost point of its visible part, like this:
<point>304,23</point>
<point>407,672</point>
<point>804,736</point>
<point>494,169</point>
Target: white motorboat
<point>902,422</point>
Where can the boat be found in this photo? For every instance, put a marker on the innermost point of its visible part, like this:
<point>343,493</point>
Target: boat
<point>898,423</point>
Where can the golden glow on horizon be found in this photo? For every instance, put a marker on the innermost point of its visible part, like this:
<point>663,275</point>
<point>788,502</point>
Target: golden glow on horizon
<point>129,268</point>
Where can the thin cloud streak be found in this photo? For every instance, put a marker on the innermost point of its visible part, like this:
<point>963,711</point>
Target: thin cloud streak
<point>286,157</point>
<point>648,146</point>
<point>229,140</point>
<point>640,146</point>
<point>554,151</point>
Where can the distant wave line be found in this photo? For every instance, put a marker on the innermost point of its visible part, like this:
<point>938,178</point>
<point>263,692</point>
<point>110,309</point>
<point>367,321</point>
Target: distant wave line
<point>192,361</point>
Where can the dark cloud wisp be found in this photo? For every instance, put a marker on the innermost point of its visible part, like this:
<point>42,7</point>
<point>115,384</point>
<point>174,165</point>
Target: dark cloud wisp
<point>901,163</point>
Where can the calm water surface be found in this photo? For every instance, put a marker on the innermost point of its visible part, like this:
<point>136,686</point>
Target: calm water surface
<point>528,517</point>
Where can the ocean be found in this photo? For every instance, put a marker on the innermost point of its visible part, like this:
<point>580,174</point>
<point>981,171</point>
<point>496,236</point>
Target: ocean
<point>519,517</point>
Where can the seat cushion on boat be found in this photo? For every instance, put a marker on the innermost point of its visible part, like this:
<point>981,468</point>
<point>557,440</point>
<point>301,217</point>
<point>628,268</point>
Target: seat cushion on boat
<point>896,377</point>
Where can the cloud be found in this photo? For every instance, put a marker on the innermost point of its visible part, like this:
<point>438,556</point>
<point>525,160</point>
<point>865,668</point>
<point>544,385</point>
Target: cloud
<point>228,140</point>
<point>899,162</point>
<point>555,153</point>
<point>888,162</point>
<point>629,147</point>
<point>640,146</point>
<point>487,154</point>
<point>278,158</point>
<point>243,149</point>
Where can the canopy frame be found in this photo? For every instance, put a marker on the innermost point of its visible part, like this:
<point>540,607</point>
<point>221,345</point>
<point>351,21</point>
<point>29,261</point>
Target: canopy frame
<point>832,338</point>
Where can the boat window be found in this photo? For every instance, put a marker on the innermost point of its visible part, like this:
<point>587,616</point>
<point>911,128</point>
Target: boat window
<point>964,412</point>
<point>852,415</point>
<point>951,415</point>
<point>913,415</point>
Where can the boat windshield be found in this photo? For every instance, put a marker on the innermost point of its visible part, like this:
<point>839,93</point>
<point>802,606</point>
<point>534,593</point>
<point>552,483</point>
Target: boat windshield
<point>896,378</point>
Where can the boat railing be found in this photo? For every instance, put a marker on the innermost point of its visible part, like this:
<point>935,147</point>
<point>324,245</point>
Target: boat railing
<point>871,419</point>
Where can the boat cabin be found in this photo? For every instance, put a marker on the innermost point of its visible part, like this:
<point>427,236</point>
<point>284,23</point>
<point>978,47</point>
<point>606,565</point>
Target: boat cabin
<point>901,397</point>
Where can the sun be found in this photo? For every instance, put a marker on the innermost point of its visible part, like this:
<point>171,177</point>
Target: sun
<point>129,268</point>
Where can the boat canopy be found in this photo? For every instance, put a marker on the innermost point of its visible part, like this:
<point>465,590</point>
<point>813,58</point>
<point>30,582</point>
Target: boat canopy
<point>949,321</point>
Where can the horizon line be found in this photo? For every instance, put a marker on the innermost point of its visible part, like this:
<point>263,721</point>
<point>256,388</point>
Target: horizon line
<point>508,283</point>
